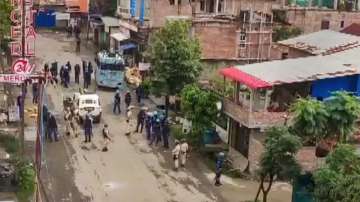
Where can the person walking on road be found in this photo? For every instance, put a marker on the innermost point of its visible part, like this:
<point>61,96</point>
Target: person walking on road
<point>140,120</point>
<point>85,74</point>
<point>165,131</point>
<point>127,99</point>
<point>106,138</point>
<point>66,75</point>
<point>219,167</point>
<point>68,65</point>
<point>148,125</point>
<point>139,93</point>
<point>77,73</point>
<point>88,128</point>
<point>128,118</point>
<point>35,93</point>
<point>68,120</point>
<point>90,71</point>
<point>155,132</point>
<point>117,101</point>
<point>62,80</point>
<point>75,124</point>
<point>184,148</point>
<point>52,128</point>
<point>175,154</point>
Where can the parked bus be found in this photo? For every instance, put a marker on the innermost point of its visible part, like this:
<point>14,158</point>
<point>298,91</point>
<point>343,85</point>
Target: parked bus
<point>110,70</point>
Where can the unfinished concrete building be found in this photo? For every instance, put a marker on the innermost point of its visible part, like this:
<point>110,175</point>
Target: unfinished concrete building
<point>236,30</point>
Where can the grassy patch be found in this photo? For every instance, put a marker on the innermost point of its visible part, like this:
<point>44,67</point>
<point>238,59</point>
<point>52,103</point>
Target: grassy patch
<point>10,143</point>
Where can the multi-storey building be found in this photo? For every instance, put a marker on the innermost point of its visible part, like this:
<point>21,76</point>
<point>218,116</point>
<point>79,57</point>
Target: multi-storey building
<point>265,91</point>
<point>312,16</point>
<point>227,29</point>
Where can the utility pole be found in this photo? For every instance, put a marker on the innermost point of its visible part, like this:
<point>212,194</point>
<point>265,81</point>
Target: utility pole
<point>23,85</point>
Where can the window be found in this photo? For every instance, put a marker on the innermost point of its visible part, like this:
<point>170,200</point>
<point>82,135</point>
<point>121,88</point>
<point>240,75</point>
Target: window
<point>284,56</point>
<point>202,5</point>
<point>242,37</point>
<point>222,121</point>
<point>221,6</point>
<point>325,24</point>
<point>342,24</point>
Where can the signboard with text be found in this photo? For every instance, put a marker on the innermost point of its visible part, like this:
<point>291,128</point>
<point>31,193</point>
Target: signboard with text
<point>16,46</point>
<point>13,78</point>
<point>22,66</point>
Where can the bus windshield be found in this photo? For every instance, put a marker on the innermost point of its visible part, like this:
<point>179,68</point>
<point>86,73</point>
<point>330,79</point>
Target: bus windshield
<point>112,67</point>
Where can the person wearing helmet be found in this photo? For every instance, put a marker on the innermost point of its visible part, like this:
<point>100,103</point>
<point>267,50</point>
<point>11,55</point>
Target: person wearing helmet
<point>127,99</point>
<point>219,167</point>
<point>117,101</point>
<point>176,153</point>
<point>87,128</point>
<point>165,131</point>
<point>148,125</point>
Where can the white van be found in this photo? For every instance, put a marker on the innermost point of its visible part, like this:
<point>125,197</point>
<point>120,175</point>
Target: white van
<point>88,104</point>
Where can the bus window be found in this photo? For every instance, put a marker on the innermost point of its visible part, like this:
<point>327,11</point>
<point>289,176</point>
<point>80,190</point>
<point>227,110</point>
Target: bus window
<point>114,67</point>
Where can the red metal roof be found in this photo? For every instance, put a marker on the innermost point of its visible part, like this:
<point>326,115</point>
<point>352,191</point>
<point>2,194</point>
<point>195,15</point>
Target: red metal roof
<point>353,29</point>
<point>242,77</point>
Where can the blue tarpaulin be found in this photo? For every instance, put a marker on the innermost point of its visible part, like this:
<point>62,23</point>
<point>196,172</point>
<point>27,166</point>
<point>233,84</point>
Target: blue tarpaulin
<point>45,18</point>
<point>128,46</point>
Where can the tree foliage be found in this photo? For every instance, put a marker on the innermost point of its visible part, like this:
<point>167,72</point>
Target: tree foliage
<point>5,23</point>
<point>310,119</point>
<point>199,107</point>
<point>339,179</point>
<point>343,110</point>
<point>175,58</point>
<point>278,159</point>
<point>336,117</point>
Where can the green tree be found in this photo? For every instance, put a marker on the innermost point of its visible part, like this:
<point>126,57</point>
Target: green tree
<point>344,110</point>
<point>278,159</point>
<point>339,179</point>
<point>175,59</point>
<point>310,119</point>
<point>199,107</point>
<point>5,23</point>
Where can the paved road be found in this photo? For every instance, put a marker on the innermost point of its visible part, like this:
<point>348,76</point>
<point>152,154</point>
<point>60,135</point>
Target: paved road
<point>131,171</point>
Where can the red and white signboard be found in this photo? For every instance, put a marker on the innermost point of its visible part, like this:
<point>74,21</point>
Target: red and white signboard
<point>16,35</point>
<point>13,78</point>
<point>22,66</point>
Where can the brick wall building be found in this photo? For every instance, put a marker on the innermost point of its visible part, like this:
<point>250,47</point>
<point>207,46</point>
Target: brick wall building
<point>227,29</point>
<point>312,20</point>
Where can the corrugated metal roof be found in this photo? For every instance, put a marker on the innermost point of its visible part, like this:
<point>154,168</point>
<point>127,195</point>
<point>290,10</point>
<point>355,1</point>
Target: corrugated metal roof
<point>110,21</point>
<point>322,41</point>
<point>305,69</point>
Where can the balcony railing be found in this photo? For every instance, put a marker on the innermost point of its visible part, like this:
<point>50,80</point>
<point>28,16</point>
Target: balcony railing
<point>257,119</point>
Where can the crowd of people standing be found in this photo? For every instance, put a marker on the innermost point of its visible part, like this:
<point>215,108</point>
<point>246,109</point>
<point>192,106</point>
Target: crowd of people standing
<point>65,73</point>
